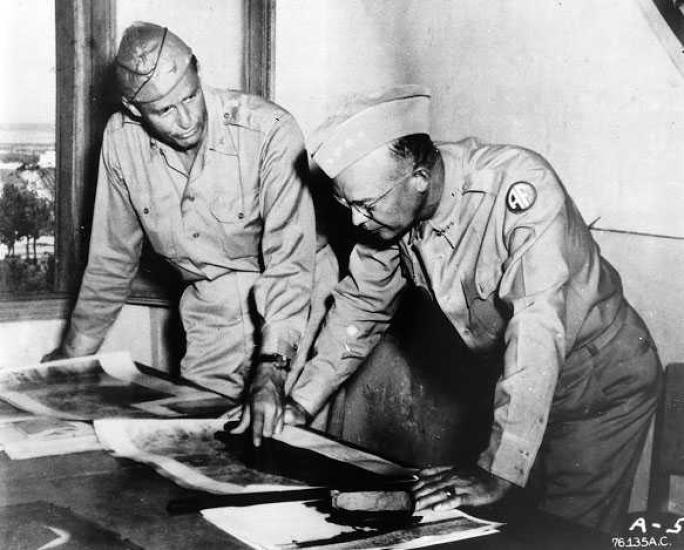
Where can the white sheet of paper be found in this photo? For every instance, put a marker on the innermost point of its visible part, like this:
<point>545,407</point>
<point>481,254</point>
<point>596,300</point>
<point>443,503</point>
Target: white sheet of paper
<point>44,436</point>
<point>291,525</point>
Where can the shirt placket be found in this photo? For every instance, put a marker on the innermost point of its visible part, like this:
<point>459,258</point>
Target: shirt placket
<point>413,269</point>
<point>204,233</point>
<point>164,185</point>
<point>193,228</point>
<point>441,253</point>
<point>186,226</point>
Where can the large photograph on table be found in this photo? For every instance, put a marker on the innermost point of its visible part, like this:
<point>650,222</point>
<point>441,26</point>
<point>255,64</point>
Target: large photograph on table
<point>198,454</point>
<point>102,386</point>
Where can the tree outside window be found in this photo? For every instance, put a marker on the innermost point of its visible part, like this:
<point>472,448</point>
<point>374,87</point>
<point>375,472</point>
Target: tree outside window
<point>27,146</point>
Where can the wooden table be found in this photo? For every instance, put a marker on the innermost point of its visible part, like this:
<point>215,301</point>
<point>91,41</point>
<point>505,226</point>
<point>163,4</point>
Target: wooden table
<point>117,494</point>
<point>129,500</point>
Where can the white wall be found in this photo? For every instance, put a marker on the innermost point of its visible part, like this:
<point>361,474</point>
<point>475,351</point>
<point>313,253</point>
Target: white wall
<point>585,83</point>
<point>25,342</point>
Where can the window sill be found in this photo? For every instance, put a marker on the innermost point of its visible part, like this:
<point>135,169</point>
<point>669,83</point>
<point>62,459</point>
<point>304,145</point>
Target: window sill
<point>44,307</point>
<point>155,285</point>
<point>18,307</point>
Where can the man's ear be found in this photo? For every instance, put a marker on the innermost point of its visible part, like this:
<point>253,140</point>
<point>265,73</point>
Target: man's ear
<point>420,179</point>
<point>131,108</point>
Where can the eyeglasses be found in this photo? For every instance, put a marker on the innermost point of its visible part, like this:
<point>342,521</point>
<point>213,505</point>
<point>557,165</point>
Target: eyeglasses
<point>366,208</point>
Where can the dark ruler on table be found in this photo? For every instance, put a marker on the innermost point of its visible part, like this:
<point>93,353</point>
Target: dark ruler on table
<point>303,466</point>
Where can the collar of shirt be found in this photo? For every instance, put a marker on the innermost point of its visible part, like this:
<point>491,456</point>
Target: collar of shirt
<point>220,137</point>
<point>459,178</point>
<point>444,216</point>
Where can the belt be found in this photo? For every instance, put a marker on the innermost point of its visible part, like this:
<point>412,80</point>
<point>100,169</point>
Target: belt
<point>597,343</point>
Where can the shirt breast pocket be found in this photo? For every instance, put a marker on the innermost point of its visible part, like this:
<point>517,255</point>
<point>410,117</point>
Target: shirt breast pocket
<point>227,208</point>
<point>234,207</point>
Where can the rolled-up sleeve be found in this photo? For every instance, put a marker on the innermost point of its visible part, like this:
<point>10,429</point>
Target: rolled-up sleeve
<point>534,284</point>
<point>115,246</point>
<point>283,292</point>
<point>364,303</point>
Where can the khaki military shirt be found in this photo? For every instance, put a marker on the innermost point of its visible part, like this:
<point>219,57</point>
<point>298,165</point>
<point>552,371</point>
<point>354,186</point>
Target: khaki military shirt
<point>243,207</point>
<point>512,264</point>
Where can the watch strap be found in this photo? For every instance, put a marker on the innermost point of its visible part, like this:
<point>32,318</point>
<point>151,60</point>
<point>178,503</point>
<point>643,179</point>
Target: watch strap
<point>280,361</point>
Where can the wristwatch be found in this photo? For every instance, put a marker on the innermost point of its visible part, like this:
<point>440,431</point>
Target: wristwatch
<point>280,361</point>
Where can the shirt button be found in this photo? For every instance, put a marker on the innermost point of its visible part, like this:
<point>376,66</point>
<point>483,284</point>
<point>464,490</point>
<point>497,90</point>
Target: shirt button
<point>191,198</point>
<point>146,210</point>
<point>241,215</point>
<point>195,235</point>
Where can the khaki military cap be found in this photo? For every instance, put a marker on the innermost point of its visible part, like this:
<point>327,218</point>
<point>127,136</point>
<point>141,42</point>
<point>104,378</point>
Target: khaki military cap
<point>364,123</point>
<point>150,62</point>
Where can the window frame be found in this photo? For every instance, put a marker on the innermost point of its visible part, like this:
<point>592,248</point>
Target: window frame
<point>85,46</point>
<point>667,21</point>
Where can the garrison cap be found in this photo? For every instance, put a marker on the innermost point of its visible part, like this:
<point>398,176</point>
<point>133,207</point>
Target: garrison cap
<point>364,123</point>
<point>150,62</point>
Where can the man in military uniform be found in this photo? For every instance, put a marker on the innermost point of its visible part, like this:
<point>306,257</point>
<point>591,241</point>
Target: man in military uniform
<point>213,178</point>
<point>490,233</point>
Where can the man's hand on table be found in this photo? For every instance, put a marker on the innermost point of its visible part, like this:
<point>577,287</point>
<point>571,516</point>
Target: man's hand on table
<point>295,414</point>
<point>267,410</point>
<point>445,487</point>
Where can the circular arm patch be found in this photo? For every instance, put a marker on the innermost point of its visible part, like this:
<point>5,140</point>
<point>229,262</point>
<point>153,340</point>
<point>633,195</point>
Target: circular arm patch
<point>521,196</point>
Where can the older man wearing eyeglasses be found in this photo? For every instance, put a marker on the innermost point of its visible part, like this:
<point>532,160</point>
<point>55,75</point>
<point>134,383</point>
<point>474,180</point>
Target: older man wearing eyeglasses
<point>490,233</point>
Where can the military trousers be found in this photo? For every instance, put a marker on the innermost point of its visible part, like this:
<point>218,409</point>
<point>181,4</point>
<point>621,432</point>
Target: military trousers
<point>603,406</point>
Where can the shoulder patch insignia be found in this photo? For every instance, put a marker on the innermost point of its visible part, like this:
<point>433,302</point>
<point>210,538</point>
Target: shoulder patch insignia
<point>521,196</point>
